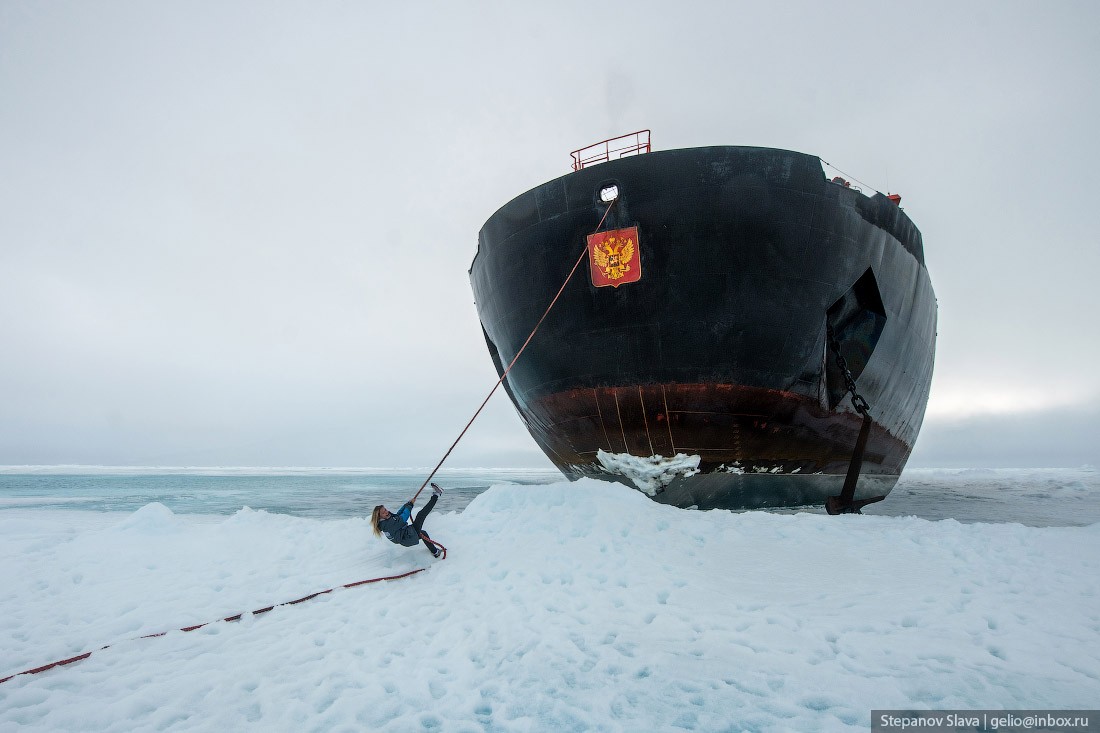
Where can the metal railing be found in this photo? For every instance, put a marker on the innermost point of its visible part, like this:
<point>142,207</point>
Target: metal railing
<point>632,143</point>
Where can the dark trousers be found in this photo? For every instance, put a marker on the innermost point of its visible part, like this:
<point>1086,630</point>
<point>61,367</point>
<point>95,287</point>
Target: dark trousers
<point>418,521</point>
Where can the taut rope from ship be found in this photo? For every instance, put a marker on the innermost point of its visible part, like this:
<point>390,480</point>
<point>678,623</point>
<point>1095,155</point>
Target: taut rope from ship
<point>516,357</point>
<point>237,617</point>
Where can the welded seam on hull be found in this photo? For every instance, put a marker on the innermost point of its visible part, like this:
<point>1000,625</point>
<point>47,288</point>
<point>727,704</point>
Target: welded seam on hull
<point>596,396</point>
<point>719,412</point>
<point>615,394</point>
<point>645,421</point>
<point>542,442</point>
<point>561,461</point>
<point>737,452</point>
<point>668,419</point>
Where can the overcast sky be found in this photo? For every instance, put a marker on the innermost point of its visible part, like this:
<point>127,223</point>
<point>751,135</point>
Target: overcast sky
<point>239,233</point>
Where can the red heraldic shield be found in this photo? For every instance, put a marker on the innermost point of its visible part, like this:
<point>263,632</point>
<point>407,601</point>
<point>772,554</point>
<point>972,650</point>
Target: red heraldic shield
<point>614,257</point>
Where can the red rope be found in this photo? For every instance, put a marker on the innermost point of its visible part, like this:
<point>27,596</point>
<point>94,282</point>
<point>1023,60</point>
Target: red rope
<point>311,596</point>
<point>429,540</point>
<point>237,617</point>
<point>516,358</point>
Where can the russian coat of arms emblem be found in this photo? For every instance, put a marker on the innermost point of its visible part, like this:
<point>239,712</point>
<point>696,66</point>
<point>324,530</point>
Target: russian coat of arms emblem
<point>614,257</point>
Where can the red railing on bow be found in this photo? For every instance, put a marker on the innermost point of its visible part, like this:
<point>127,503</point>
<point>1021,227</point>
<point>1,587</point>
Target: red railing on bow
<point>632,143</point>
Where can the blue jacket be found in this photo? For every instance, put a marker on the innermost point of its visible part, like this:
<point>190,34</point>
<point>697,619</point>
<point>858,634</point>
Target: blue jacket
<point>397,528</point>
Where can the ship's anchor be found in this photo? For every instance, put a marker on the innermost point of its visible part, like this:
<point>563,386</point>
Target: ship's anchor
<point>846,503</point>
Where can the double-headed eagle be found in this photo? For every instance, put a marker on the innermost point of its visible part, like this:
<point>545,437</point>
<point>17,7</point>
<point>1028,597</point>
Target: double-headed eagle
<point>613,256</point>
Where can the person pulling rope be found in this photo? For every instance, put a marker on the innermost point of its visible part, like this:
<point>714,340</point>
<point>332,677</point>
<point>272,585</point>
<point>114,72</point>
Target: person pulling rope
<point>397,529</point>
<point>396,526</point>
<point>583,254</point>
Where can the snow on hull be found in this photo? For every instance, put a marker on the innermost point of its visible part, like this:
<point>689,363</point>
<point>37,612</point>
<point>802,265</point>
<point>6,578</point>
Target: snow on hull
<point>651,474</point>
<point>570,607</point>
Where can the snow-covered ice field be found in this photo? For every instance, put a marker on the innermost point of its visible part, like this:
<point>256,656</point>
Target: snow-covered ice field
<point>569,607</point>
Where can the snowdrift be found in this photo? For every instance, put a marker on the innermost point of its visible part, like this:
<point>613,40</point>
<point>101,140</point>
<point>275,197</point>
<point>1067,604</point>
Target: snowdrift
<point>572,607</point>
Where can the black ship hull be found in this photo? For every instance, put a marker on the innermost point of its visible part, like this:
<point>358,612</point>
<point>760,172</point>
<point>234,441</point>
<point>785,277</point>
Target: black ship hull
<point>719,353</point>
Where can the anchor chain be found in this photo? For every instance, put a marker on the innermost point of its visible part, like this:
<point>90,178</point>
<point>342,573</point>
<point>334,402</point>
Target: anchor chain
<point>846,503</point>
<point>849,381</point>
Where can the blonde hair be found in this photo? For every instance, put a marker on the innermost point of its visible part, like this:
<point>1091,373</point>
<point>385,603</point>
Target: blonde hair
<point>374,520</point>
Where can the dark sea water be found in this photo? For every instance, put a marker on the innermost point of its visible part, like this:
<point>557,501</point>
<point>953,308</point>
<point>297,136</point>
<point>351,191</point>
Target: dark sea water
<point>316,493</point>
<point>1034,497</point>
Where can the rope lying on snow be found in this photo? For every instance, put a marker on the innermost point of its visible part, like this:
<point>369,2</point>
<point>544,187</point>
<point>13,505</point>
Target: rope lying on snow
<point>568,277</point>
<point>237,617</point>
